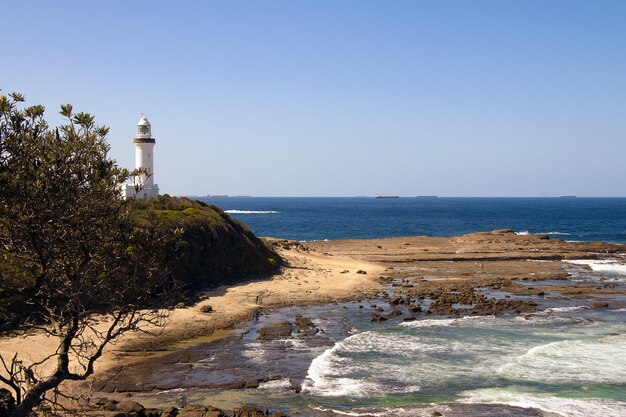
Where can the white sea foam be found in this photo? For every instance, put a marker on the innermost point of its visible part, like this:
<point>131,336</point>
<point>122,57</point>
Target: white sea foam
<point>331,373</point>
<point>565,407</point>
<point>387,412</point>
<point>572,361</point>
<point>462,321</point>
<point>251,212</point>
<point>254,351</point>
<point>554,310</point>
<point>278,384</point>
<point>170,391</point>
<point>611,266</point>
<point>526,233</point>
<point>349,413</point>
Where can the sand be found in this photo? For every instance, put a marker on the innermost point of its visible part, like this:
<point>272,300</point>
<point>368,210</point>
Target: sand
<point>308,277</point>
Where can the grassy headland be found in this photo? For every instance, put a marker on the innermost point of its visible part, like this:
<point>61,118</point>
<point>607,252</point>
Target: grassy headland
<point>215,249</point>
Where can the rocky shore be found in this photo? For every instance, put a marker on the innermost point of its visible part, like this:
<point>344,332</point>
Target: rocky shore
<point>402,279</point>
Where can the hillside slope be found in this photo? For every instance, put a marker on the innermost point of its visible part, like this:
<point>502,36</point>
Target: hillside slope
<point>216,249</point>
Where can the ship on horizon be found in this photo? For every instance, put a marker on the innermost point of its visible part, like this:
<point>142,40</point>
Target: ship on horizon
<point>387,196</point>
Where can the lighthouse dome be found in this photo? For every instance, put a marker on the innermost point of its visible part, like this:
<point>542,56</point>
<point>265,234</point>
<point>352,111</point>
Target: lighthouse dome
<point>144,128</point>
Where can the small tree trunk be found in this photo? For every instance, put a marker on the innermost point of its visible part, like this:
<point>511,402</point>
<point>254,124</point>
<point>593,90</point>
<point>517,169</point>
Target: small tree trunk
<point>32,398</point>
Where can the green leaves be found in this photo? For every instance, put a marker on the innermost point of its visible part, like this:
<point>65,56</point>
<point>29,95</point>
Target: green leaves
<point>34,111</point>
<point>66,110</point>
<point>84,120</point>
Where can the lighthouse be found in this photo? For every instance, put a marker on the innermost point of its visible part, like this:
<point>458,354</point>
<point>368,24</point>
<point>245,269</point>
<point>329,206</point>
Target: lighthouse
<point>143,187</point>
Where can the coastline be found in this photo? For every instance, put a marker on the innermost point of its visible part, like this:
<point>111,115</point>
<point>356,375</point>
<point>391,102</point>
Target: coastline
<point>396,268</point>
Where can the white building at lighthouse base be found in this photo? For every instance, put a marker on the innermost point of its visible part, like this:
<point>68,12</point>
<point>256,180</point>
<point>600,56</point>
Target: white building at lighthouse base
<point>145,192</point>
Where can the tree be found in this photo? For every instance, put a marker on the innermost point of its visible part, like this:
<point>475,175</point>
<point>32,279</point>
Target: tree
<point>73,264</point>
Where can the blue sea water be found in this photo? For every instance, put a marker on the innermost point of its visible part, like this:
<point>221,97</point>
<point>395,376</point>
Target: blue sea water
<point>567,359</point>
<point>578,219</point>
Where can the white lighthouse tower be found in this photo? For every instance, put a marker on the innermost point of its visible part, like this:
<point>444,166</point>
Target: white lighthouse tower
<point>144,187</point>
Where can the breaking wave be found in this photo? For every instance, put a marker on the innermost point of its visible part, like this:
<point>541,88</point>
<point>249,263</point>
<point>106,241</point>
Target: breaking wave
<point>251,212</point>
<point>611,266</point>
<point>564,407</point>
<point>527,233</point>
<point>572,361</point>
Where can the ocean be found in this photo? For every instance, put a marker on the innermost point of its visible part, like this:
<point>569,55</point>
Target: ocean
<point>567,360</point>
<point>306,219</point>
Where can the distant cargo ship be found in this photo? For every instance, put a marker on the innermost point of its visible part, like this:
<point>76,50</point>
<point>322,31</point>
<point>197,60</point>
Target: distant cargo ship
<point>217,196</point>
<point>387,196</point>
<point>567,196</point>
<point>427,196</point>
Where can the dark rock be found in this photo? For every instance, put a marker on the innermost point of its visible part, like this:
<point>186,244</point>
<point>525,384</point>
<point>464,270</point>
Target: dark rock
<point>170,412</point>
<point>252,383</point>
<point>130,406</point>
<point>376,317</point>
<point>396,301</point>
<point>362,272</point>
<point>249,412</point>
<point>200,411</point>
<point>600,304</point>
<point>415,309</point>
<point>305,325</point>
<point>110,405</point>
<point>275,330</point>
<point>206,309</point>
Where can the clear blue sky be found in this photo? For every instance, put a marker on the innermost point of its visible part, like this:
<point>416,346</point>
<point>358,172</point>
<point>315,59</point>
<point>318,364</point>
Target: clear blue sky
<point>341,98</point>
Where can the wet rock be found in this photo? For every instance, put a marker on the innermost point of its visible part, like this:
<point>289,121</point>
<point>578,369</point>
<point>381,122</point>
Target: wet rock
<point>415,309</point>
<point>250,412</point>
<point>600,304</point>
<point>252,383</point>
<point>305,325</point>
<point>376,317</point>
<point>396,301</point>
<point>276,330</point>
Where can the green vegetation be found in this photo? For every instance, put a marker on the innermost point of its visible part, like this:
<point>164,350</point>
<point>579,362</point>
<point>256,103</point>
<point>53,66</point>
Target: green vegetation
<point>215,249</point>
